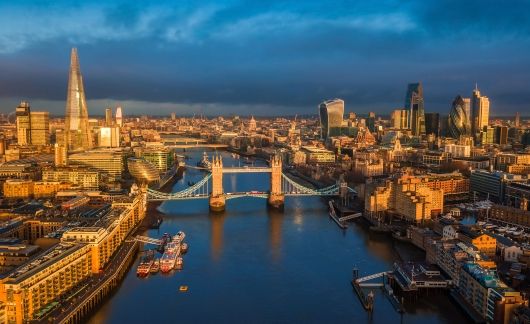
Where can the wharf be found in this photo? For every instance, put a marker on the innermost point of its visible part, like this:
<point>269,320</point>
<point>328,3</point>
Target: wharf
<point>333,216</point>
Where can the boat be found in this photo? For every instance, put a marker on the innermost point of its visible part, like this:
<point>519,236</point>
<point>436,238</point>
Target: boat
<point>502,229</point>
<point>171,252</point>
<point>146,262</point>
<point>179,263</point>
<point>184,247</point>
<point>204,162</point>
<point>156,266</point>
<point>183,288</point>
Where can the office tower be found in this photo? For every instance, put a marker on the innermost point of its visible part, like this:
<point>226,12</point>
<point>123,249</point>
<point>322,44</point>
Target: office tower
<point>109,162</point>
<point>119,117</point>
<point>76,130</point>
<point>61,158</point>
<point>400,119</point>
<point>370,121</point>
<point>501,135</point>
<point>517,119</point>
<point>109,137</point>
<point>432,123</point>
<point>331,115</point>
<point>173,116</point>
<point>414,103</point>
<point>40,127</point>
<point>487,135</point>
<point>458,123</point>
<point>108,117</point>
<point>480,111</point>
<point>23,123</point>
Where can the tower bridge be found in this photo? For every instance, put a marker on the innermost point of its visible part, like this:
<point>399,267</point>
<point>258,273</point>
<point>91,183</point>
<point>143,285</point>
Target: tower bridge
<point>211,187</point>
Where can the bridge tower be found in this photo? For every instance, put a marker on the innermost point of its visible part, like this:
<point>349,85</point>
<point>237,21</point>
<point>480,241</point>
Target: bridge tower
<point>217,196</point>
<point>276,196</point>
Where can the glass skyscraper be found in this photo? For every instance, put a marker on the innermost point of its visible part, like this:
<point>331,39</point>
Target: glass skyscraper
<point>458,123</point>
<point>414,103</point>
<point>480,107</point>
<point>76,130</point>
<point>331,116</point>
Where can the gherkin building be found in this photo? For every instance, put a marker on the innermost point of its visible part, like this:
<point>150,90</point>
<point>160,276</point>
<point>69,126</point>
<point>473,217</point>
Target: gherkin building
<point>459,123</point>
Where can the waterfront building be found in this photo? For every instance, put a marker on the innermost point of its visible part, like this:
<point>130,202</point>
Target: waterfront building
<point>459,121</point>
<point>480,111</point>
<point>31,287</point>
<point>161,157</point>
<point>109,162</point>
<point>407,196</point>
<point>483,290</point>
<point>23,123</point>
<point>414,103</point>
<point>331,116</point>
<point>40,127</point>
<point>143,170</point>
<point>76,130</point>
<point>400,119</point>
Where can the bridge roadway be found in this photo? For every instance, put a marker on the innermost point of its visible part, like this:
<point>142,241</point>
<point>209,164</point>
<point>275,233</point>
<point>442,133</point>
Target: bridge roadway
<point>78,308</point>
<point>205,145</point>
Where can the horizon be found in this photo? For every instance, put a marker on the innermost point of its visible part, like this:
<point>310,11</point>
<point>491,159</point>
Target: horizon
<point>224,58</point>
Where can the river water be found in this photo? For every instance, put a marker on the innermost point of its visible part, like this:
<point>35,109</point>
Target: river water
<point>252,264</point>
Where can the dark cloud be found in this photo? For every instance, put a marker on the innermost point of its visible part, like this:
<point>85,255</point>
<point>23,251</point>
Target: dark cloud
<point>229,55</point>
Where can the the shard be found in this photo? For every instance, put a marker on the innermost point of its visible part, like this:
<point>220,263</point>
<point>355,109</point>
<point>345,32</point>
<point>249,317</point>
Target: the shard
<point>76,130</point>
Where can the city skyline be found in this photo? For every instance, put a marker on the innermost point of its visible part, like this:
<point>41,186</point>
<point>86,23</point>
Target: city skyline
<point>222,58</point>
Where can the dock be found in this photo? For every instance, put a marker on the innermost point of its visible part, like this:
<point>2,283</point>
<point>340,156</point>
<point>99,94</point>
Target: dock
<point>334,216</point>
<point>367,300</point>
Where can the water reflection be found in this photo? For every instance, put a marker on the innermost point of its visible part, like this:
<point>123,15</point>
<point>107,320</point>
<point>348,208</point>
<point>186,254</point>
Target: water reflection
<point>217,232</point>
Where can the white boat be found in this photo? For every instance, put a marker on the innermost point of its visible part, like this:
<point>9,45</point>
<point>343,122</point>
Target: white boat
<point>502,229</point>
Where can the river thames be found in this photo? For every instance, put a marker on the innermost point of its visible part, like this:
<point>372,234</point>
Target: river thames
<point>255,265</point>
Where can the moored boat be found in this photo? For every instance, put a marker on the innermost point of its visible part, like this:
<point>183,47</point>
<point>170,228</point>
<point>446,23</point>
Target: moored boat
<point>156,266</point>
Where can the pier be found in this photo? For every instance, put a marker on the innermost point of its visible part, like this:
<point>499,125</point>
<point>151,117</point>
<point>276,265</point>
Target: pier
<point>368,300</point>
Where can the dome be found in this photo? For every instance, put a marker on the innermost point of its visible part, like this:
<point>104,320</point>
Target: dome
<point>142,170</point>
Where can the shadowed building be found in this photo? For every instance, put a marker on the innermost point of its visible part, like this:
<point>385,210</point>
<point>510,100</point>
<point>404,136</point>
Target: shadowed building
<point>414,103</point>
<point>76,130</point>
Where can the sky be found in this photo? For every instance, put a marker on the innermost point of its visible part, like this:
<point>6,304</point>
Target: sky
<point>264,58</point>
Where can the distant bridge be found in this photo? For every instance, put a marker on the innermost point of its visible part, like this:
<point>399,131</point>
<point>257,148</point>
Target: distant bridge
<point>211,187</point>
